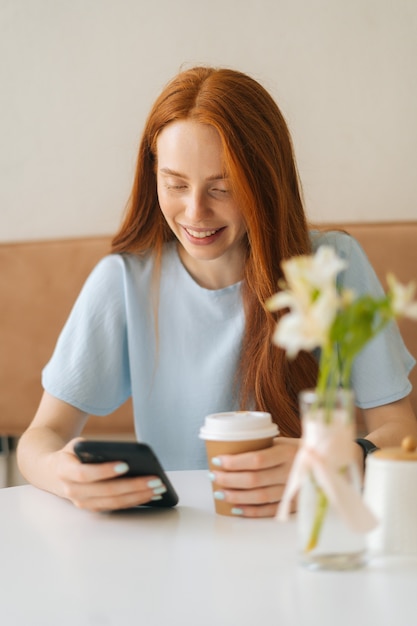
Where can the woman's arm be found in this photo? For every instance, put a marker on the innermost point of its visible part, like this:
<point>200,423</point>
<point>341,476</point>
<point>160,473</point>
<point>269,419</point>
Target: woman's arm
<point>54,425</point>
<point>387,425</point>
<point>255,481</point>
<point>47,460</point>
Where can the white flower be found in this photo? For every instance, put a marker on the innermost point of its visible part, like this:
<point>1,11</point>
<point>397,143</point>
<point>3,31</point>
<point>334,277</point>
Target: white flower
<point>297,331</point>
<point>306,328</point>
<point>318,271</point>
<point>402,298</point>
<point>312,298</point>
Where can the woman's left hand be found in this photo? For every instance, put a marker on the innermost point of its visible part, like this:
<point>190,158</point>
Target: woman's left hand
<point>254,482</point>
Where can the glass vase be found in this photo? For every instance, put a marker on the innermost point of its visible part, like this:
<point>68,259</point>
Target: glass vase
<point>325,537</point>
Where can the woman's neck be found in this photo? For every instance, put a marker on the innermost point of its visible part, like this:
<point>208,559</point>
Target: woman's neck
<point>214,273</point>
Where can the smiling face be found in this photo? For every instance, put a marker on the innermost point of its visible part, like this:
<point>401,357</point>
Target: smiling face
<point>195,197</point>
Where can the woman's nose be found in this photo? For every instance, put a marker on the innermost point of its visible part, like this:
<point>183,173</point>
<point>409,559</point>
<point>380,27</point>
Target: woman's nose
<point>197,206</point>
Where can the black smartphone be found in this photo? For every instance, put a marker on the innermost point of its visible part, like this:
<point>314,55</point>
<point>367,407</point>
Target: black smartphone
<point>140,458</point>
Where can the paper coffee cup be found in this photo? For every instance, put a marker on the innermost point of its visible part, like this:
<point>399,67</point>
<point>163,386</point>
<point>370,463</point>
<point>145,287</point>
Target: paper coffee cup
<point>233,433</point>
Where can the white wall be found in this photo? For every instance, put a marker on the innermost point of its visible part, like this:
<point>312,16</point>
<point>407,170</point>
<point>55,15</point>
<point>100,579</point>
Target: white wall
<point>77,78</point>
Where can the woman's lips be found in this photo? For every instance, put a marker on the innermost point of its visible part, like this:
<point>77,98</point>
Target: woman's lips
<point>201,236</point>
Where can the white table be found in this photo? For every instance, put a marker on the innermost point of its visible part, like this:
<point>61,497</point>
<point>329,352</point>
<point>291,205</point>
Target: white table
<point>187,566</point>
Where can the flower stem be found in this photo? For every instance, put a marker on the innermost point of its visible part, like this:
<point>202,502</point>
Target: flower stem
<point>329,378</point>
<point>321,509</point>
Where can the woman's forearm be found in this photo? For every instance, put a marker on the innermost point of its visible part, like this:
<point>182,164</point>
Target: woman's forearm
<point>390,423</point>
<point>54,425</point>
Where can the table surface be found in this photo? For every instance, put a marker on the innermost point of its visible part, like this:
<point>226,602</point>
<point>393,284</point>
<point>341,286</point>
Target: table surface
<point>184,566</point>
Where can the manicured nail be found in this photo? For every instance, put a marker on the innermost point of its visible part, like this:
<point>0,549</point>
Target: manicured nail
<point>156,498</point>
<point>211,476</point>
<point>155,483</point>
<point>216,461</point>
<point>218,495</point>
<point>236,511</point>
<point>159,490</point>
<point>121,468</point>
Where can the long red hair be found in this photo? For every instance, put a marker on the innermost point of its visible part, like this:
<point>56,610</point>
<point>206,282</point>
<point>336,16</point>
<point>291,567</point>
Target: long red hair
<point>260,163</point>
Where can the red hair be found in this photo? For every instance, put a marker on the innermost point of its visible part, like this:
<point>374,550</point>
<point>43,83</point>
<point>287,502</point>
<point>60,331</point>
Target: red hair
<point>260,163</point>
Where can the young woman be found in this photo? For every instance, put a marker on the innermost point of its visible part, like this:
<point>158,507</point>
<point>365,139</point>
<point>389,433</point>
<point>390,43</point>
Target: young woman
<point>175,317</point>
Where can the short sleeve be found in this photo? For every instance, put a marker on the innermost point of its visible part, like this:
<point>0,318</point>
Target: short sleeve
<point>89,368</point>
<point>380,371</point>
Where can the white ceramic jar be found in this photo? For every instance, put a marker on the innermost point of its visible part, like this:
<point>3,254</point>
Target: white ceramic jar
<point>391,493</point>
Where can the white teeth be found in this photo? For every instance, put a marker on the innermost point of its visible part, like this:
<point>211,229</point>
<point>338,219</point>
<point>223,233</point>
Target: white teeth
<point>201,234</point>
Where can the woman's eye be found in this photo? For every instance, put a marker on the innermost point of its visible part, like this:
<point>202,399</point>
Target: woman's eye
<point>220,191</point>
<point>175,187</point>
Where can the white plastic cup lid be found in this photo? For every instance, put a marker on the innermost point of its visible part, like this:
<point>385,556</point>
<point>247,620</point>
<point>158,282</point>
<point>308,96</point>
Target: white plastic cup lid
<point>238,426</point>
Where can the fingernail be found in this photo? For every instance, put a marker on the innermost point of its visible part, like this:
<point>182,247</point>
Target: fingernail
<point>211,476</point>
<point>156,482</point>
<point>236,511</point>
<point>121,468</point>
<point>216,461</point>
<point>156,498</point>
<point>159,490</point>
<point>218,495</point>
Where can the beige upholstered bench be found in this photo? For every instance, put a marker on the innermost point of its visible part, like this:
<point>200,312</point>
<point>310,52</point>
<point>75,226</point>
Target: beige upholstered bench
<point>40,280</point>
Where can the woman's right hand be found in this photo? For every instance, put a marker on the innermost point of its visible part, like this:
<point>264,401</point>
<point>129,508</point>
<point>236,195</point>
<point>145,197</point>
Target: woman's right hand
<point>47,459</point>
<point>101,486</point>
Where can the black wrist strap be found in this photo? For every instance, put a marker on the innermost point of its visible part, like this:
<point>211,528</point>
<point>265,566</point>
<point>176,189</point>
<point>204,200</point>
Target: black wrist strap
<point>367,447</point>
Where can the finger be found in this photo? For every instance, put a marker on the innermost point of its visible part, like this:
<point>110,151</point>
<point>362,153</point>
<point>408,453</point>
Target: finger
<point>282,451</point>
<point>256,460</point>
<point>103,504</point>
<point>249,480</point>
<point>75,470</point>
<point>266,495</point>
<point>112,503</point>
<point>266,510</point>
<point>94,472</point>
<point>114,494</point>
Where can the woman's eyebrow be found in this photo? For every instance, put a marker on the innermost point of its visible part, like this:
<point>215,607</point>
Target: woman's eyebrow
<point>169,172</point>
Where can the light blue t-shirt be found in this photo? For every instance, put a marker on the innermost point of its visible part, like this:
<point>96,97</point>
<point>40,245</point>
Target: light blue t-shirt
<point>109,349</point>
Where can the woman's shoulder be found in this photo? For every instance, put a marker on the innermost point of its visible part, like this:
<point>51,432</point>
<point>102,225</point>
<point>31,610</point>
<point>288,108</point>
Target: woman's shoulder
<point>359,273</point>
<point>346,246</point>
<point>110,278</point>
<point>119,272</point>
<point>115,265</point>
<point>338,239</point>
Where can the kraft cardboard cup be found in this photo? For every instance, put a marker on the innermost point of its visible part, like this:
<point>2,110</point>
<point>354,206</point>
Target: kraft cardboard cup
<point>233,433</point>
